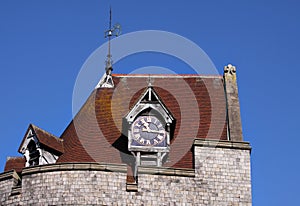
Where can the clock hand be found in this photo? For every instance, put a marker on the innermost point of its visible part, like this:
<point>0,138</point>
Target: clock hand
<point>152,131</point>
<point>146,125</point>
<point>156,131</point>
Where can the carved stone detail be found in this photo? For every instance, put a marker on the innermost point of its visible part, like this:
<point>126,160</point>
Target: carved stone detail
<point>230,69</point>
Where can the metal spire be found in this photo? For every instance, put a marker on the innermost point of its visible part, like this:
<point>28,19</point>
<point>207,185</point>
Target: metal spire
<point>108,34</point>
<point>149,81</point>
<point>112,31</point>
<point>106,80</point>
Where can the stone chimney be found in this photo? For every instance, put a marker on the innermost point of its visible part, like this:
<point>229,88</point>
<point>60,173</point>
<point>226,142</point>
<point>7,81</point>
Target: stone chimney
<point>233,105</point>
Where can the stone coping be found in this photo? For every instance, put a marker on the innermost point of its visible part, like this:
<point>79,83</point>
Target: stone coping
<point>75,166</point>
<point>9,174</point>
<point>222,144</point>
<point>108,167</point>
<point>184,172</point>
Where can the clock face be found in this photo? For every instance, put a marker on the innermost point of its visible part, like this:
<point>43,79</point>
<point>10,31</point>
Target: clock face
<point>148,131</point>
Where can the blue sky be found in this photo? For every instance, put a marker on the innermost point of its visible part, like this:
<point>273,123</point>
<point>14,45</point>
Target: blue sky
<point>43,45</point>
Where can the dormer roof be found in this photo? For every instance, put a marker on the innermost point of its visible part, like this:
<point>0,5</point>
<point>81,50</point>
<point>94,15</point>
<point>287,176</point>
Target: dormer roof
<point>44,138</point>
<point>149,99</point>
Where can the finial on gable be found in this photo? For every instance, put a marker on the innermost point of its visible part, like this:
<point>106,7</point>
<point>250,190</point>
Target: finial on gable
<point>150,81</point>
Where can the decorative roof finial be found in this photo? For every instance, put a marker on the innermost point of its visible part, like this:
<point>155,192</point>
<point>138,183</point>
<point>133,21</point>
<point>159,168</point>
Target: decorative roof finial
<point>149,81</point>
<point>230,69</point>
<point>106,80</point>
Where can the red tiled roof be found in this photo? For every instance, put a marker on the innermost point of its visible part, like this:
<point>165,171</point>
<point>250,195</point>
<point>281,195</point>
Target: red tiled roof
<point>16,163</point>
<point>46,139</point>
<point>196,102</point>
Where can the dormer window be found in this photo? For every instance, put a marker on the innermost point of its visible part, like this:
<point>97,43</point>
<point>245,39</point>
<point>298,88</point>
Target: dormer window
<point>40,147</point>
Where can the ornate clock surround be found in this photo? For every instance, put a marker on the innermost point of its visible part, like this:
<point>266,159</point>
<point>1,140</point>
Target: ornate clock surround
<point>148,129</point>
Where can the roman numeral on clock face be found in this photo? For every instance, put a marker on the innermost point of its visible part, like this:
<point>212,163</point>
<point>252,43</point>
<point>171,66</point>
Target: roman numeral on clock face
<point>143,121</point>
<point>149,119</point>
<point>141,140</point>
<point>137,136</point>
<point>160,137</point>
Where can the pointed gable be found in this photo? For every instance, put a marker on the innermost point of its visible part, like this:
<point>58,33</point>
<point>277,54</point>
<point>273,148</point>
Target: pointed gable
<point>40,147</point>
<point>150,99</point>
<point>42,137</point>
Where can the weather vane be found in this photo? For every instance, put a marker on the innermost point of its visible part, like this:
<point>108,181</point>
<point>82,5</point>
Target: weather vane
<point>106,81</point>
<point>112,31</point>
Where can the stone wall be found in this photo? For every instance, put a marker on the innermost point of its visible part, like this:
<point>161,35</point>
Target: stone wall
<point>9,192</point>
<point>221,177</point>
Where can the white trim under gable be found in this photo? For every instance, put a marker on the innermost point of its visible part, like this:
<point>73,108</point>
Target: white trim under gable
<point>45,157</point>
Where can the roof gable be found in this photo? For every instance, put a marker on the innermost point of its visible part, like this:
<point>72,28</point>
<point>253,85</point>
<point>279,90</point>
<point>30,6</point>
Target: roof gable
<point>149,99</point>
<point>42,137</point>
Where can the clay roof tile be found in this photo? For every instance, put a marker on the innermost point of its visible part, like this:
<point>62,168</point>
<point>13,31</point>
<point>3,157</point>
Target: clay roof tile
<point>16,163</point>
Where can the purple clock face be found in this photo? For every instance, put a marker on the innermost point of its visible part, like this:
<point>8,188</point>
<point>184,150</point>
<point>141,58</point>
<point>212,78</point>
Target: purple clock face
<point>148,131</point>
